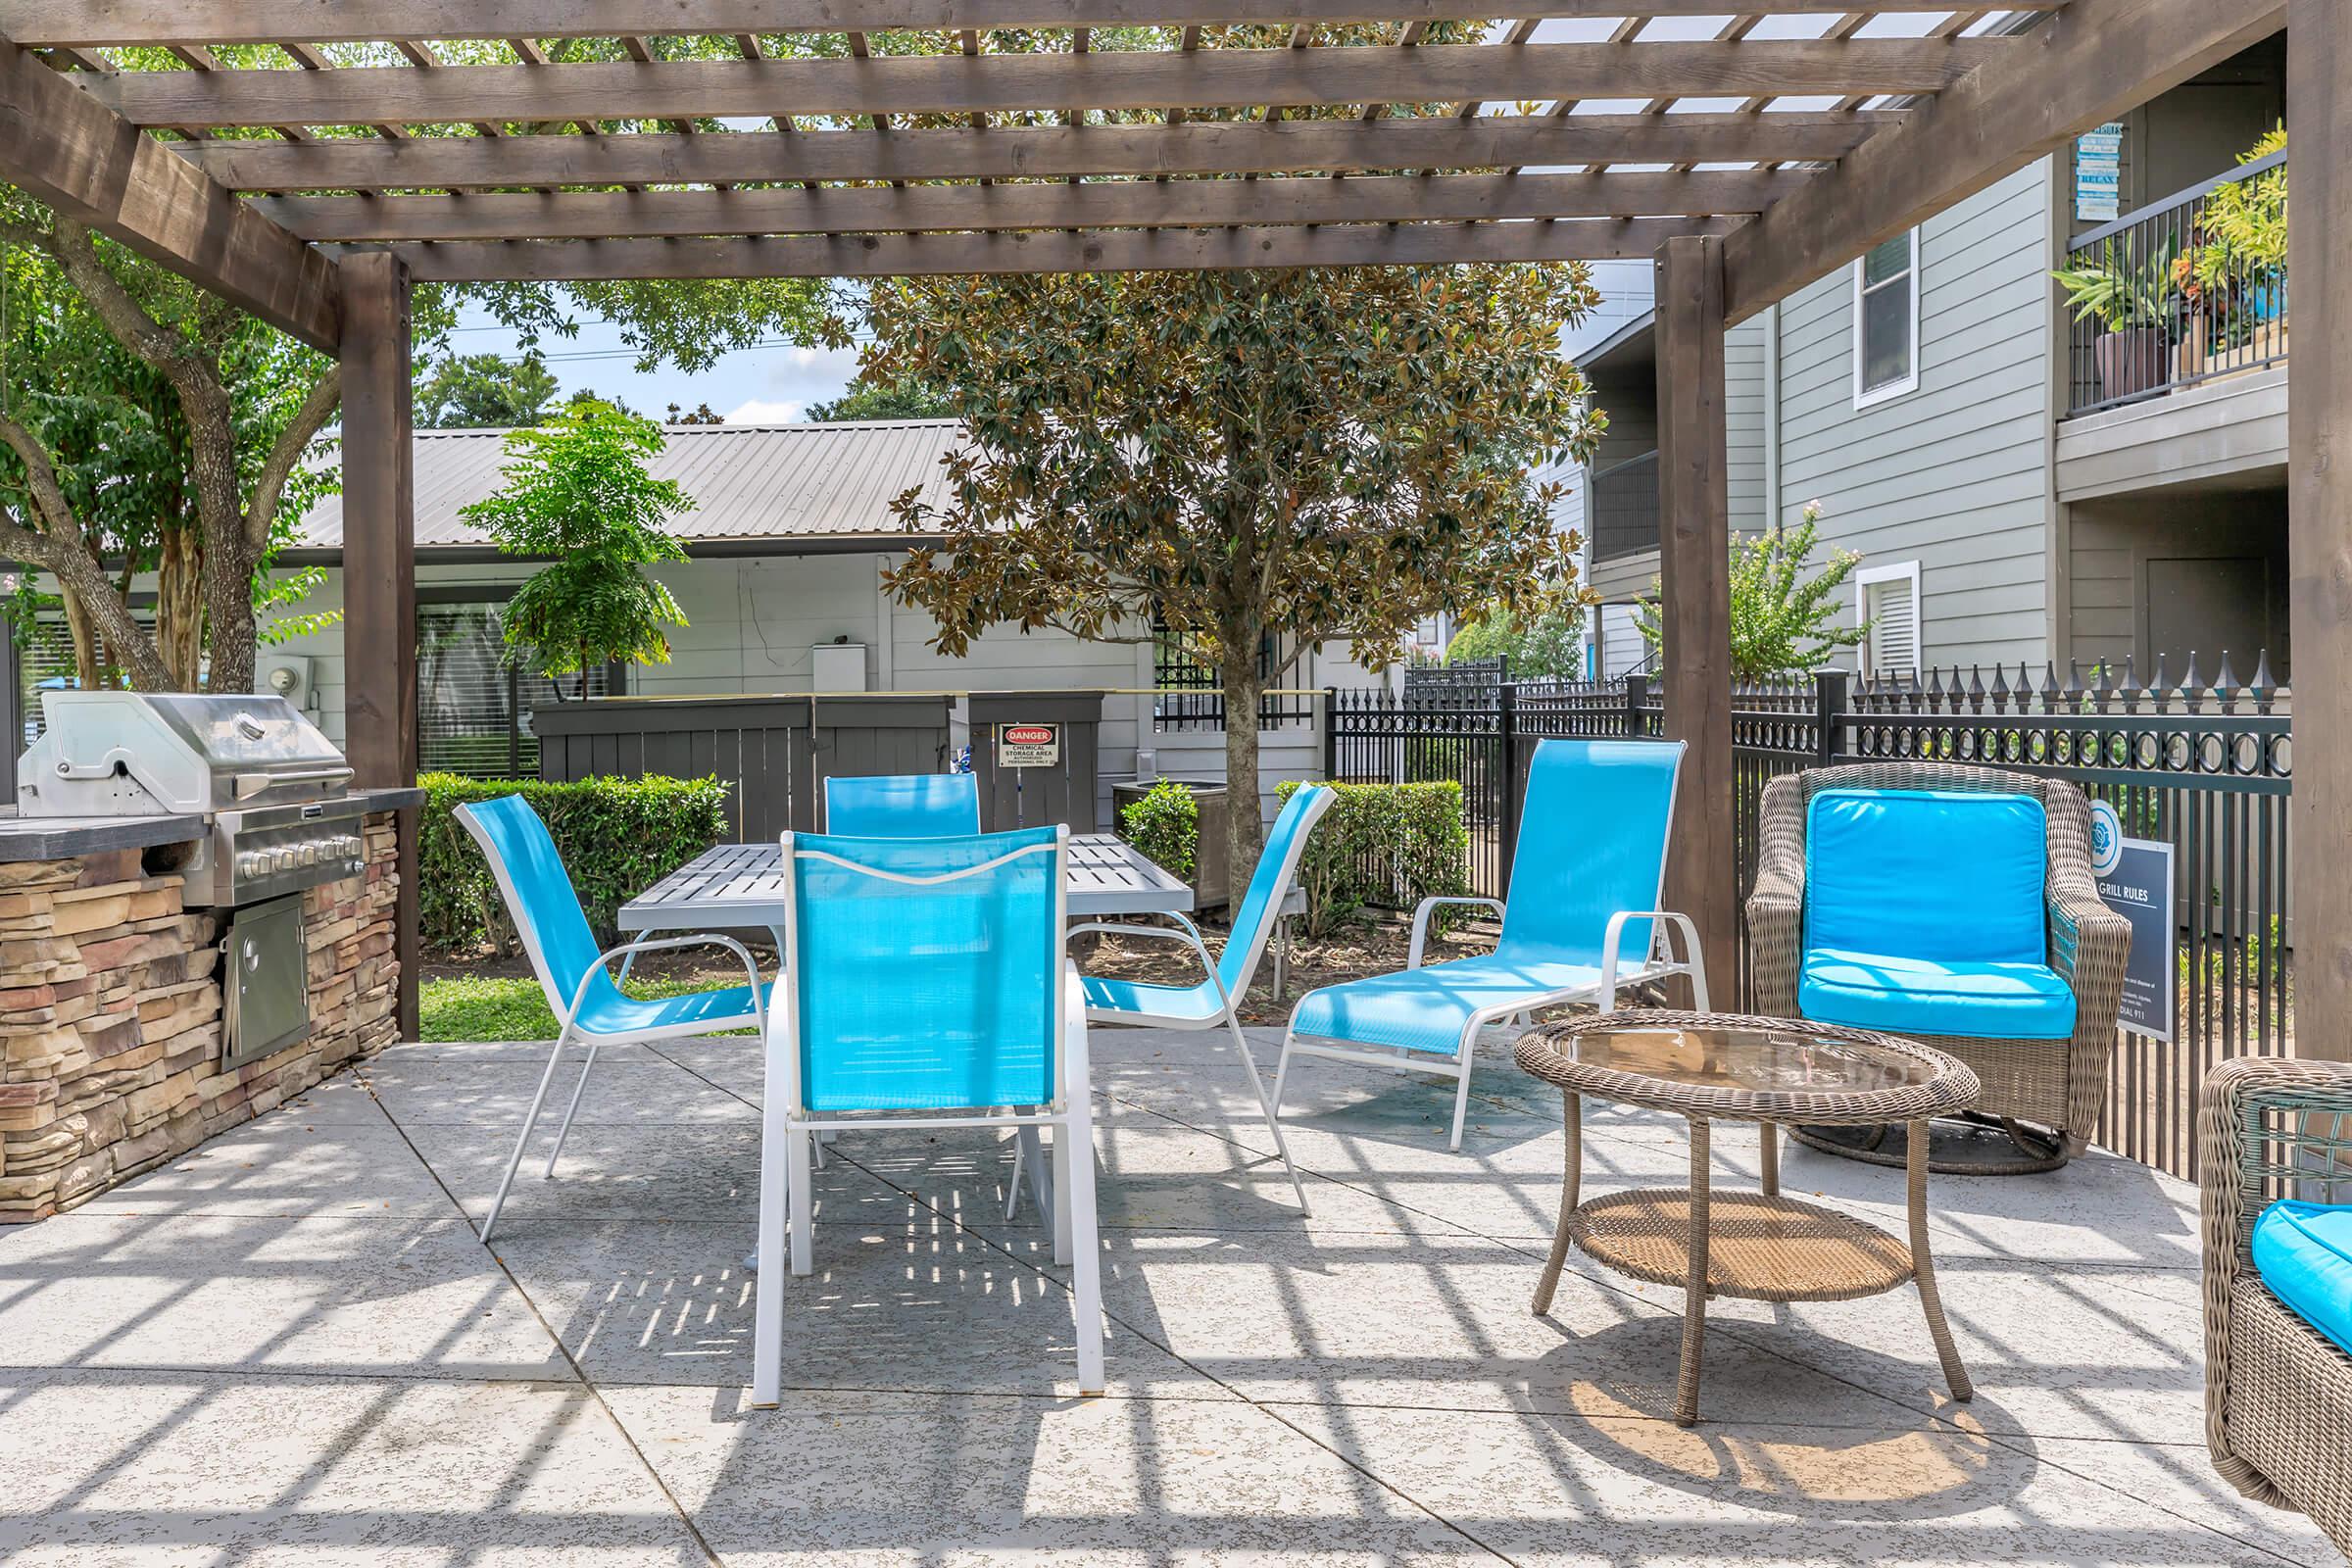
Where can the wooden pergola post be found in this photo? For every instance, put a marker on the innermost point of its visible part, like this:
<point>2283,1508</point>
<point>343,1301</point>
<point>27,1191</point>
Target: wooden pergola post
<point>379,564</point>
<point>2318,117</point>
<point>1694,576</point>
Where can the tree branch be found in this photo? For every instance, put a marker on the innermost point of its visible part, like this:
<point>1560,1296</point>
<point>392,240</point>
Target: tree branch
<point>64,548</point>
<point>269,487</point>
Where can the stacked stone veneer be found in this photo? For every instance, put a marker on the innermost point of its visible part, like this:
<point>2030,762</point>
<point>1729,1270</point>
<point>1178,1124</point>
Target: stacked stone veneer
<point>110,1017</point>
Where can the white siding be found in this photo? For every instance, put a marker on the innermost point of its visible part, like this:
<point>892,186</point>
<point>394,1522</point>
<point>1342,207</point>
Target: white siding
<point>1953,475</point>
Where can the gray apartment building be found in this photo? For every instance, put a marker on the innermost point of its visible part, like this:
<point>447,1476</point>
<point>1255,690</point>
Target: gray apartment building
<point>2022,487</point>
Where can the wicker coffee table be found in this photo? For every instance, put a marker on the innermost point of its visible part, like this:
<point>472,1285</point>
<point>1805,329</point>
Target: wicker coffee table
<point>1758,1245</point>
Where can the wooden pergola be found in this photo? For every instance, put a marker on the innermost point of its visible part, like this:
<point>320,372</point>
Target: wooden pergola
<point>1750,153</point>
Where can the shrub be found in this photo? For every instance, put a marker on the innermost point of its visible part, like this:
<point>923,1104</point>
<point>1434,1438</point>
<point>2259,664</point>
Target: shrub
<point>1385,846</point>
<point>1165,824</point>
<point>618,837</point>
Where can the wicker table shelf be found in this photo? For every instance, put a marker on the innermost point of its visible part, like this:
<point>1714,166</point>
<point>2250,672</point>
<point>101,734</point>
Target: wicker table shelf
<point>1760,1245</point>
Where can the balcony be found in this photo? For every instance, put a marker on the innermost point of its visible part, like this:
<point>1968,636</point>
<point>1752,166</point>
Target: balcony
<point>2177,341</point>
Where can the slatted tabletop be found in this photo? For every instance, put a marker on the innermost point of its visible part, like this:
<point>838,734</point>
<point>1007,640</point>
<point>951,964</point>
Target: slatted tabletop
<point>740,885</point>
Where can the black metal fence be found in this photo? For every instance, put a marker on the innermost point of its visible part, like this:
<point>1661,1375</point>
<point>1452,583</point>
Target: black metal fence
<point>2203,763</point>
<point>2185,300</point>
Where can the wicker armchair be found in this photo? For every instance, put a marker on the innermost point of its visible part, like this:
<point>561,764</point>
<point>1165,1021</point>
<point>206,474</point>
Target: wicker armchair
<point>2278,1393</point>
<point>2046,1092</point>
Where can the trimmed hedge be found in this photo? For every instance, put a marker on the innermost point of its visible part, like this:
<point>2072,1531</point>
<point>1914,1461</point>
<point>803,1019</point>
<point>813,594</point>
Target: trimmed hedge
<point>1165,824</point>
<point>617,836</point>
<point>1383,846</point>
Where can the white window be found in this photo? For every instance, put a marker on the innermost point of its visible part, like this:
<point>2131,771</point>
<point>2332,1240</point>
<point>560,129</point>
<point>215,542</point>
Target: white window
<point>1887,322</point>
<point>1887,603</point>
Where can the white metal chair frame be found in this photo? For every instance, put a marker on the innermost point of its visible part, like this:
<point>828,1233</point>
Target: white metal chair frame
<point>788,1134</point>
<point>567,1013</point>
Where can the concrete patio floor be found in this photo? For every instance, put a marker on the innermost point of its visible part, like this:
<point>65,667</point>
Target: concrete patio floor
<point>288,1348</point>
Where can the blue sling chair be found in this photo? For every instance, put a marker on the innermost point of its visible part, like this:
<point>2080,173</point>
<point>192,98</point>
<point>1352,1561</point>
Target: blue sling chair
<point>588,1004</point>
<point>926,985</point>
<point>1581,921</point>
<point>906,805</point>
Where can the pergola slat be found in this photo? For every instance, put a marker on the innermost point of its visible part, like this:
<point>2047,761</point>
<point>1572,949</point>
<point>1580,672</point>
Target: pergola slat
<point>1184,204</point>
<point>2090,62</point>
<point>1007,84</point>
<point>1013,152</point>
<point>66,149</point>
<point>1057,251</point>
<point>78,23</point>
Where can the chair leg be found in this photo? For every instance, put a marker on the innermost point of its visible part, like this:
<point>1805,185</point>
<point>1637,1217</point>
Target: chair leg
<point>1020,1159</point>
<point>1257,1086</point>
<point>1058,1203</point>
<point>767,1287</point>
<point>571,1109</point>
<point>796,1198</point>
<point>523,1140</point>
<point>1282,1076</point>
<point>1074,1140</point>
<point>1462,1088</point>
<point>1029,1164</point>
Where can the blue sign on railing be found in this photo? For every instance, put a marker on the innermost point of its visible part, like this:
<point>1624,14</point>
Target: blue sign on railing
<point>2098,174</point>
<point>2135,881</point>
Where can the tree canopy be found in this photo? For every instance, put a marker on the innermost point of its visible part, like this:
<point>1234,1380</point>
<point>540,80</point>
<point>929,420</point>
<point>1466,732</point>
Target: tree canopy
<point>1549,642</point>
<point>1784,614</point>
<point>1304,456</point>
<point>486,392</point>
<point>866,400</point>
<point>577,494</point>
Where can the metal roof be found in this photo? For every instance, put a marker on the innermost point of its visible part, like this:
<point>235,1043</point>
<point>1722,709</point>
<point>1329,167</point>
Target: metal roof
<point>748,482</point>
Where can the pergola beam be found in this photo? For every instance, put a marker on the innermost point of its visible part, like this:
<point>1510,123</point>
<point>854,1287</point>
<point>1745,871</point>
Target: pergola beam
<point>69,151</point>
<point>1017,152</point>
<point>2086,64</point>
<point>68,23</point>
<point>1178,204</point>
<point>1009,82</point>
<point>1060,251</point>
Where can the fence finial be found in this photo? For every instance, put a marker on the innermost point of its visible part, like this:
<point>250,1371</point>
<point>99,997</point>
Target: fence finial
<point>2226,681</point>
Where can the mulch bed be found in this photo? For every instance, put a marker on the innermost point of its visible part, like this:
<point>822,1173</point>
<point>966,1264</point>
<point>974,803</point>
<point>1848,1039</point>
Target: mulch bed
<point>1368,947</point>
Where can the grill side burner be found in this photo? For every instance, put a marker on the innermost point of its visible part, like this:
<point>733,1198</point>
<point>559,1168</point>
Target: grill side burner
<point>272,787</point>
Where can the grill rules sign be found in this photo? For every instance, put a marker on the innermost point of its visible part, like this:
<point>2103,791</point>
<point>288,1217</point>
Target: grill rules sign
<point>1028,745</point>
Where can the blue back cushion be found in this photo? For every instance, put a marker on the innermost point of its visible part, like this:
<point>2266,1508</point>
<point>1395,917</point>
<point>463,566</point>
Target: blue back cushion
<point>1259,905</point>
<point>547,912</point>
<point>916,988</point>
<point>906,805</point>
<point>1954,876</point>
<point>1592,841</point>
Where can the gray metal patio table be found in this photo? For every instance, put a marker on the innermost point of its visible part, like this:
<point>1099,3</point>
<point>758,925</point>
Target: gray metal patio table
<point>1758,1247</point>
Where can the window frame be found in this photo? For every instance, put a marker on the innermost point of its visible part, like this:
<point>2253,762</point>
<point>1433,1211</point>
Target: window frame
<point>1908,382</point>
<point>1864,578</point>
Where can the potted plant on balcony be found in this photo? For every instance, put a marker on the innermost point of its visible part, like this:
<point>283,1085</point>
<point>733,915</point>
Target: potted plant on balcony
<point>2133,300</point>
<point>2238,269</point>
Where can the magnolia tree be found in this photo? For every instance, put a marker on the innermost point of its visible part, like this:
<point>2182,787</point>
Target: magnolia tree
<point>1784,614</point>
<point>1262,459</point>
<point>578,495</point>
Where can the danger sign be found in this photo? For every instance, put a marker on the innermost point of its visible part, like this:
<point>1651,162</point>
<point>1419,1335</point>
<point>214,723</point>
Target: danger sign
<point>1028,745</point>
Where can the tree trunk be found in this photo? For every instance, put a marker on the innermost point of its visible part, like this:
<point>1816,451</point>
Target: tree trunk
<point>89,662</point>
<point>1245,826</point>
<point>229,612</point>
<point>179,606</point>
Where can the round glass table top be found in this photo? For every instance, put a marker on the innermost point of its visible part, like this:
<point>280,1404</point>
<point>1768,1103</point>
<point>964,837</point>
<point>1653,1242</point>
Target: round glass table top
<point>1739,1065</point>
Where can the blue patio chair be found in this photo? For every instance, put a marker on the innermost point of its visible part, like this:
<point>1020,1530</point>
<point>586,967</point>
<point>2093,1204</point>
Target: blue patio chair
<point>588,1002</point>
<point>925,985</point>
<point>906,805</point>
<point>1210,1004</point>
<point>1586,882</point>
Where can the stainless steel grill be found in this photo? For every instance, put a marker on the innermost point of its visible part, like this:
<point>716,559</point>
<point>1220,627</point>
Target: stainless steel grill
<point>271,788</point>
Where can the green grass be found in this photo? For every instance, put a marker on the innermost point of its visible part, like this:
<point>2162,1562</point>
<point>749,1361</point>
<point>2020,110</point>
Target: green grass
<point>491,1008</point>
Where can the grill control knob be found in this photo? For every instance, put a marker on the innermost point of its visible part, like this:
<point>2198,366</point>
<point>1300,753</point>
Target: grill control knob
<point>307,855</point>
<point>249,864</point>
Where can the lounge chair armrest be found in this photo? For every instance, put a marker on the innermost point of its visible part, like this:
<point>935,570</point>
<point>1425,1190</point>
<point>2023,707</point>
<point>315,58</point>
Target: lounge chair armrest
<point>696,939</point>
<point>1426,907</point>
<point>1185,932</point>
<point>1776,904</point>
<point>1695,960</point>
<point>2088,941</point>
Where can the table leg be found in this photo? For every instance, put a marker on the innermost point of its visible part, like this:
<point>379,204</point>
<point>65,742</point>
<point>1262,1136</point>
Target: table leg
<point>1923,1266</point>
<point>1571,1168</point>
<point>1694,1283</point>
<point>1771,1145</point>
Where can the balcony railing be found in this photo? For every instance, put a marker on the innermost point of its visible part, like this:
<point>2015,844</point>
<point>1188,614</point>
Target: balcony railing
<point>2195,296</point>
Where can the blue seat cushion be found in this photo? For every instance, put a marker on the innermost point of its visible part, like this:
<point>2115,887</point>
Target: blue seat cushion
<point>2303,1253</point>
<point>1953,875</point>
<point>1196,1003</point>
<point>606,1011</point>
<point>1428,1009</point>
<point>1907,995</point>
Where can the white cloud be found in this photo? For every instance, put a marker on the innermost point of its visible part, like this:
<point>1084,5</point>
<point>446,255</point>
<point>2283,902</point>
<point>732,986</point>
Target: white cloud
<point>764,411</point>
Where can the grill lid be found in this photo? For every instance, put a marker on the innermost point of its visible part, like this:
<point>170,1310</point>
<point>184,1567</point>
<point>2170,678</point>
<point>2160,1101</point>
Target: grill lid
<point>178,752</point>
